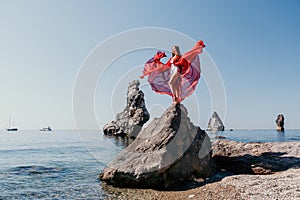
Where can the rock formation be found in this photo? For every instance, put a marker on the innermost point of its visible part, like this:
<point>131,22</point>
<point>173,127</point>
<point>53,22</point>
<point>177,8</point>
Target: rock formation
<point>215,123</point>
<point>225,184</point>
<point>169,151</point>
<point>134,116</point>
<point>280,122</point>
<point>256,158</point>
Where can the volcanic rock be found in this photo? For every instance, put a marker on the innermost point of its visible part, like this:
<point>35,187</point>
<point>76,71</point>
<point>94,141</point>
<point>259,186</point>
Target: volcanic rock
<point>130,121</point>
<point>215,123</point>
<point>169,151</point>
<point>280,122</point>
<point>256,158</point>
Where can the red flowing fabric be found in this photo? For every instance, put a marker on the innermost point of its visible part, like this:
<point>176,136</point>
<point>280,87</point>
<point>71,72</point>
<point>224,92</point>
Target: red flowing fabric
<point>159,73</point>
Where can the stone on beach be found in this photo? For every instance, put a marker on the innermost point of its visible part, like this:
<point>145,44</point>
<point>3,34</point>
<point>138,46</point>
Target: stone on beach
<point>130,121</point>
<point>227,185</point>
<point>259,170</point>
<point>169,151</point>
<point>256,158</point>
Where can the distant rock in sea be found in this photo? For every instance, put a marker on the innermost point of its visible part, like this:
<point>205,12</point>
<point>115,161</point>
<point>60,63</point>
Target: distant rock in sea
<point>280,122</point>
<point>169,151</point>
<point>220,137</point>
<point>215,123</point>
<point>130,121</point>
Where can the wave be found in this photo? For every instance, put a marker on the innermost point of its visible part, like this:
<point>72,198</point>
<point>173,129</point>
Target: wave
<point>31,170</point>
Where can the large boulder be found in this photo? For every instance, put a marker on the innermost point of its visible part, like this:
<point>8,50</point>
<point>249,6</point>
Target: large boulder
<point>280,122</point>
<point>130,121</point>
<point>169,151</point>
<point>215,123</point>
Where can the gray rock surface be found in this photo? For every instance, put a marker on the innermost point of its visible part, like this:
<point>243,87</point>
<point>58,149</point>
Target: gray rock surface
<point>130,121</point>
<point>169,151</point>
<point>261,171</point>
<point>215,123</point>
<point>256,158</point>
<point>282,185</point>
<point>278,185</point>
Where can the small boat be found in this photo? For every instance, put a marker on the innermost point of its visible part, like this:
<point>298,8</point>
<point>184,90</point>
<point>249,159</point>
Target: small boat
<point>46,129</point>
<point>11,128</point>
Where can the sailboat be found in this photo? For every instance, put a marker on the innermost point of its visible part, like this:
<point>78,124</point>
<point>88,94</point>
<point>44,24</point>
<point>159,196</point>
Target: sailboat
<point>11,128</point>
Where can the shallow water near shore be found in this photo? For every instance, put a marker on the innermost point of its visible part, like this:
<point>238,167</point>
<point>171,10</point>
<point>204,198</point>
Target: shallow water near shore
<point>59,164</point>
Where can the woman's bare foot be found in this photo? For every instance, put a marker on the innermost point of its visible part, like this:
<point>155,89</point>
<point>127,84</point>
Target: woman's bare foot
<point>178,100</point>
<point>174,99</point>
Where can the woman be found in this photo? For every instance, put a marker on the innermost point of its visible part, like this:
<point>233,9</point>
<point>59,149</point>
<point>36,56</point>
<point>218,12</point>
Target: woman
<point>179,76</point>
<point>177,65</point>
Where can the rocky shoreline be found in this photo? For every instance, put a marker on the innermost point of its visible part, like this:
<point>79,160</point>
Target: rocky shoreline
<point>242,171</point>
<point>177,158</point>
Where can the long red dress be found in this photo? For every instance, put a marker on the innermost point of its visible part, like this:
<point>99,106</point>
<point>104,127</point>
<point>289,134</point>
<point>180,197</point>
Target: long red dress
<point>188,66</point>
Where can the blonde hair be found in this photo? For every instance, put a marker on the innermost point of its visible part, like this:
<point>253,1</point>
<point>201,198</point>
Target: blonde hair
<point>177,51</point>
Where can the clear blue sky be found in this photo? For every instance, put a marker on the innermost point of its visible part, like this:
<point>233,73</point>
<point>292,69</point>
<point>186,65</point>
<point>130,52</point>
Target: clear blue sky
<point>255,44</point>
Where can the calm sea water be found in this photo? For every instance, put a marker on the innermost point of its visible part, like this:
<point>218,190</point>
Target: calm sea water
<point>66,164</point>
<point>259,135</point>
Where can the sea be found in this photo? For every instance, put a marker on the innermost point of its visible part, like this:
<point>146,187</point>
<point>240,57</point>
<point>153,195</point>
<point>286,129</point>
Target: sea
<point>65,164</point>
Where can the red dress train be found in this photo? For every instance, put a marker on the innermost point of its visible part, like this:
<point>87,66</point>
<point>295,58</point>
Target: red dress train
<point>188,66</point>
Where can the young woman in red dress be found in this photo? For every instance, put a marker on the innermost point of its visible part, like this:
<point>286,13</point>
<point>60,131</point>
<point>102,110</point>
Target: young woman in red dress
<point>179,76</point>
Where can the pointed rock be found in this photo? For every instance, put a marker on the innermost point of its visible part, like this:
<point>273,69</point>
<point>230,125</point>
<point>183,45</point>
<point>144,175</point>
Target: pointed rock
<point>169,151</point>
<point>215,123</point>
<point>130,121</point>
<point>280,122</point>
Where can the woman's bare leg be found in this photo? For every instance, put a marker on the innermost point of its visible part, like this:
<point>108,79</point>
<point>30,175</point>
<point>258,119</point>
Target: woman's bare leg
<point>177,88</point>
<point>172,87</point>
<point>174,80</point>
